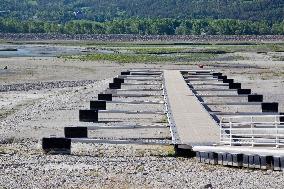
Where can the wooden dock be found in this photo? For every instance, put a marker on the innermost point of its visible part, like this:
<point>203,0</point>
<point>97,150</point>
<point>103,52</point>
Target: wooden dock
<point>193,124</point>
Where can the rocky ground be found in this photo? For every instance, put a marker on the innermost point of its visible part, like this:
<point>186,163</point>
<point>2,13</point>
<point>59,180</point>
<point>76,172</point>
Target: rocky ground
<point>45,95</point>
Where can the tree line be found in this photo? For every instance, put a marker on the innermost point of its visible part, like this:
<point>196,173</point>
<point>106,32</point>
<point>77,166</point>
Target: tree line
<point>147,27</point>
<point>63,11</point>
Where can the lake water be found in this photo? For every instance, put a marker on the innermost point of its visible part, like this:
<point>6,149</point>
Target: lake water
<point>39,50</point>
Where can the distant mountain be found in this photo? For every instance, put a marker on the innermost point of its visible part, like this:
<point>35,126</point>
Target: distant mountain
<point>105,10</point>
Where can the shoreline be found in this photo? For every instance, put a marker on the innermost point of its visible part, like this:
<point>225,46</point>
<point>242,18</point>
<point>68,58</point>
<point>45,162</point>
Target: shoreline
<point>17,37</point>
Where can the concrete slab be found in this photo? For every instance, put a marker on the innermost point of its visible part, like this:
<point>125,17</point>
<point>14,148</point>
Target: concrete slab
<point>193,123</point>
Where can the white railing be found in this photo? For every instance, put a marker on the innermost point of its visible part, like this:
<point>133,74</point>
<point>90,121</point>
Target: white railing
<point>266,130</point>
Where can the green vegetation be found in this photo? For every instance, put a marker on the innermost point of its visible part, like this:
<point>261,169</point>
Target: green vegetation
<point>146,27</point>
<point>122,58</point>
<point>167,52</point>
<point>61,11</point>
<point>144,58</point>
<point>147,17</point>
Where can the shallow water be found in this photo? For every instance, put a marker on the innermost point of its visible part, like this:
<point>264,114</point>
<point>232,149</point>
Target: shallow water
<point>39,50</point>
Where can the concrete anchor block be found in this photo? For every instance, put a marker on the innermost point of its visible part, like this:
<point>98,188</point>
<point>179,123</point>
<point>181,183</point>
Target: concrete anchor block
<point>125,73</point>
<point>213,158</point>
<point>251,161</point>
<point>98,105</point>
<point>106,97</point>
<point>266,162</point>
<point>255,98</point>
<point>228,81</point>
<point>184,151</point>
<point>235,85</point>
<point>118,80</point>
<point>56,145</point>
<point>203,157</point>
<point>115,85</point>
<point>225,162</point>
<point>76,132</point>
<point>207,160</point>
<point>220,158</point>
<point>230,160</point>
<point>237,160</point>
<point>244,91</point>
<point>282,163</point>
<point>222,77</point>
<point>257,161</point>
<point>88,115</point>
<point>269,107</point>
<point>276,164</point>
<point>245,160</point>
<point>198,156</point>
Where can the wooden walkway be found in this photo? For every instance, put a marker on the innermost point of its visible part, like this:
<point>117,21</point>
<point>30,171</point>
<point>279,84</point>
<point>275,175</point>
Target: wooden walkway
<point>193,123</point>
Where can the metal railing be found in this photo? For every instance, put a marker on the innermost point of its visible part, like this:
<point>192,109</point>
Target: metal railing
<point>265,130</point>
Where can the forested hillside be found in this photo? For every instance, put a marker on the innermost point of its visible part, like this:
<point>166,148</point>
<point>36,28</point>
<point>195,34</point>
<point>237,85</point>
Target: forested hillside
<point>164,17</point>
<point>103,10</point>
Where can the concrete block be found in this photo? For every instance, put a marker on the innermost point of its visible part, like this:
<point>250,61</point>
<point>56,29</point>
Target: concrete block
<point>98,105</point>
<point>237,160</point>
<point>222,77</point>
<point>229,158</point>
<point>213,158</point>
<point>203,156</point>
<point>228,81</point>
<point>125,73</point>
<point>235,85</point>
<point>276,164</point>
<point>115,85</point>
<point>76,132</point>
<point>269,107</point>
<point>184,151</point>
<point>118,80</point>
<point>198,156</point>
<point>282,163</point>
<point>244,91</point>
<point>257,161</point>
<point>56,145</point>
<point>220,158</point>
<point>255,98</point>
<point>106,97</point>
<point>207,160</point>
<point>251,161</point>
<point>266,162</point>
<point>88,115</point>
<point>225,162</point>
<point>245,160</point>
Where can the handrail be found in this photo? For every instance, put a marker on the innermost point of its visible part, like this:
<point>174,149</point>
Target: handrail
<point>237,130</point>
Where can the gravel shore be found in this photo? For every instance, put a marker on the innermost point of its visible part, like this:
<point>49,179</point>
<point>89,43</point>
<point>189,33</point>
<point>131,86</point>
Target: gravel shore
<point>53,103</point>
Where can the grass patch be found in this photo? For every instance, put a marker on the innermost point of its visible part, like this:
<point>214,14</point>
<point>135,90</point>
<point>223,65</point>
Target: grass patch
<point>122,58</point>
<point>176,50</point>
<point>144,58</point>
